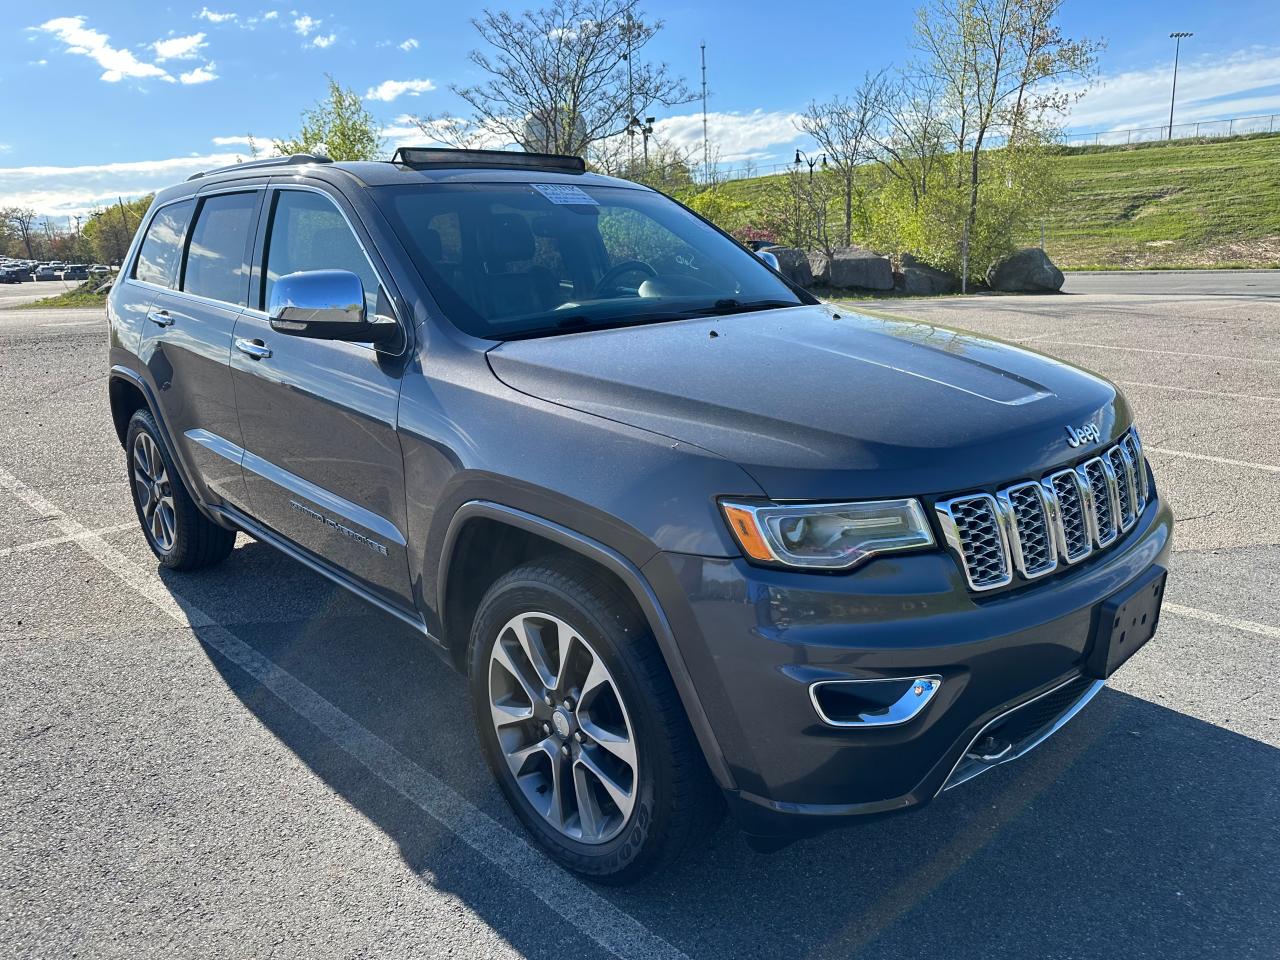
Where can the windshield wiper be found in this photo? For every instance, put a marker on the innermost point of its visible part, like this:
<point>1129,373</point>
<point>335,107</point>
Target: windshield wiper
<point>733,305</point>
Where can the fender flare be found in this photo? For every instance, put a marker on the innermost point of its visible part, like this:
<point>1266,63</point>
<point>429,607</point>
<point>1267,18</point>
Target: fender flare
<point>632,578</point>
<point>135,379</point>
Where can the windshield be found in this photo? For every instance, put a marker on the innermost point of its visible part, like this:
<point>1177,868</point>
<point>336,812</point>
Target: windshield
<point>518,260</point>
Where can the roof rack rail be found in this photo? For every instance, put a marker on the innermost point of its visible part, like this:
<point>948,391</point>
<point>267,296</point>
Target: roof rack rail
<point>292,159</point>
<point>445,157</point>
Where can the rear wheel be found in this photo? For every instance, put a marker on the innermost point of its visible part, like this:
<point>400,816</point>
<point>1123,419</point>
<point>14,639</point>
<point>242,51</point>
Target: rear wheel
<point>181,537</point>
<point>581,725</point>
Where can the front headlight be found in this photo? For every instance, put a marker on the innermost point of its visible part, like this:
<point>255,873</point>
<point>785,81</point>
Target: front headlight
<point>827,536</point>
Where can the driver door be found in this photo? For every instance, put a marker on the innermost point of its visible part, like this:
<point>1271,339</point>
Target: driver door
<point>322,460</point>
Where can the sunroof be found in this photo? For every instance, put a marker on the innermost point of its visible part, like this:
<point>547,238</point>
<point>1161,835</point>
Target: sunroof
<point>445,157</point>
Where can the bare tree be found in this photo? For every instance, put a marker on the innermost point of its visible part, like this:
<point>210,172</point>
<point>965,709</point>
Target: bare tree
<point>910,135</point>
<point>999,62</point>
<point>844,130</point>
<point>23,221</point>
<point>560,78</point>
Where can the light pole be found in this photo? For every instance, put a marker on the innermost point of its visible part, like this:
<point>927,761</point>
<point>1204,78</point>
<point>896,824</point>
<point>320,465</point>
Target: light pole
<point>811,161</point>
<point>1177,38</point>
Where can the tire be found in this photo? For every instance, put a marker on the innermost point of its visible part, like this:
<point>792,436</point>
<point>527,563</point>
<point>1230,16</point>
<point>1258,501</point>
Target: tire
<point>181,537</point>
<point>671,798</point>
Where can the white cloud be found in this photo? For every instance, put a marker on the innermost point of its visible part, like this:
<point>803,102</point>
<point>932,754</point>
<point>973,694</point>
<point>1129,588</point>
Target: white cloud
<point>1208,88</point>
<point>69,190</point>
<point>199,74</point>
<point>323,40</point>
<point>304,25</point>
<point>85,41</point>
<point>213,16</point>
<point>271,15</point>
<point>389,90</point>
<point>179,48</point>
<point>5,148</point>
<point>736,136</point>
<point>229,141</point>
<point>409,44</point>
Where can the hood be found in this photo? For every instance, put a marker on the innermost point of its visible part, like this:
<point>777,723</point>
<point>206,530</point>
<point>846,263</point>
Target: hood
<point>818,403</point>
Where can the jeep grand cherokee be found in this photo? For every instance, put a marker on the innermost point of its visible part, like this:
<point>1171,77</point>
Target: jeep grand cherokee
<point>692,535</point>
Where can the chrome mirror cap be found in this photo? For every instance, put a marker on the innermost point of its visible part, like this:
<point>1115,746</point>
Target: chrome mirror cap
<point>316,298</point>
<point>768,259</point>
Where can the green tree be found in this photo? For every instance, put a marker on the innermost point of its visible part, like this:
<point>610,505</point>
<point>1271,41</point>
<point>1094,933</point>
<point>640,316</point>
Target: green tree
<point>999,63</point>
<point>338,126</point>
<point>109,230</point>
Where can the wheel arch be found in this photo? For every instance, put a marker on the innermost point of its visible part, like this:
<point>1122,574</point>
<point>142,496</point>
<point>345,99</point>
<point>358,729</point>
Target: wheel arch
<point>489,529</point>
<point>128,394</point>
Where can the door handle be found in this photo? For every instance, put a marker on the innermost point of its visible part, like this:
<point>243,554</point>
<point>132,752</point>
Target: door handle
<point>253,348</point>
<point>160,318</point>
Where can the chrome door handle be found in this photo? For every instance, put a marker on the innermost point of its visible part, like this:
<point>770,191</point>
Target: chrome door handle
<point>160,318</point>
<point>253,348</point>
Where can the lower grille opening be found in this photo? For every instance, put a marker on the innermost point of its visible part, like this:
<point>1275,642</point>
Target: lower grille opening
<point>1017,732</point>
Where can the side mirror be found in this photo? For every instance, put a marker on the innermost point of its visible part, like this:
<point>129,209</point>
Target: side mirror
<point>325,305</point>
<point>769,259</point>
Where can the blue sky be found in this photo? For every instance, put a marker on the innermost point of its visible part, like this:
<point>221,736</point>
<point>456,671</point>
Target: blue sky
<point>123,96</point>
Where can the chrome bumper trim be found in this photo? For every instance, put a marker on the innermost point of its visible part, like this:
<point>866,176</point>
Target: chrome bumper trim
<point>1025,747</point>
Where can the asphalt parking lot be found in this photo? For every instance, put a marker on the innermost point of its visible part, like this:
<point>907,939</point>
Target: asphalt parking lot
<point>251,763</point>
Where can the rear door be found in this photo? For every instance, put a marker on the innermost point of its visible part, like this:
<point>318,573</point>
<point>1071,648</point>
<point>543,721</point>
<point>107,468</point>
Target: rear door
<point>188,342</point>
<point>322,459</point>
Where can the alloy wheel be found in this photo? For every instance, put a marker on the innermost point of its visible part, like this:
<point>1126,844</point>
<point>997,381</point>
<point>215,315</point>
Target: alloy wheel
<point>155,495</point>
<point>563,728</point>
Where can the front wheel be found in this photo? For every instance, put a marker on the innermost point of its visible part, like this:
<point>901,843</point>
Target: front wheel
<point>581,725</point>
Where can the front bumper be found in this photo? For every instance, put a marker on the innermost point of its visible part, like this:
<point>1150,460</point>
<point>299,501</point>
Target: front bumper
<point>754,641</point>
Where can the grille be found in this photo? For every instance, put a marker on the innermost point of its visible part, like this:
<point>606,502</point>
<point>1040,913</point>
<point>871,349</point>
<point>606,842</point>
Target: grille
<point>1030,528</point>
<point>1124,486</point>
<point>977,527</point>
<point>1035,555</point>
<point>1076,542</point>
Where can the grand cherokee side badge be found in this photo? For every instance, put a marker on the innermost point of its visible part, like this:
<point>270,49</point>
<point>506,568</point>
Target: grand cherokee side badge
<point>1078,435</point>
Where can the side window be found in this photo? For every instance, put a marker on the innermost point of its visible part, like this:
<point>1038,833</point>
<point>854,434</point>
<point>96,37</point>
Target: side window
<point>216,266</point>
<point>162,246</point>
<point>309,233</point>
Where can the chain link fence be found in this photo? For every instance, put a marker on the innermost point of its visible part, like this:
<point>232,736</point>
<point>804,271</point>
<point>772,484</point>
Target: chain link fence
<point>1197,130</point>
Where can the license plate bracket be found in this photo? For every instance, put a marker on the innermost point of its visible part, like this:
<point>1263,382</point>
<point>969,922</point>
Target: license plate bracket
<point>1124,622</point>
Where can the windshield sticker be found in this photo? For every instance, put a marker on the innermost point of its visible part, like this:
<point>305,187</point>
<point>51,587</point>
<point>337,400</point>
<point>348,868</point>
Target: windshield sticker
<point>564,193</point>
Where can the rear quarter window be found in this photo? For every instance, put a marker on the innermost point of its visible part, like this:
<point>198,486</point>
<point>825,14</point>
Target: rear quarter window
<point>161,249</point>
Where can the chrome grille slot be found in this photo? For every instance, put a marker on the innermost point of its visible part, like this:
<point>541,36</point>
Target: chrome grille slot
<point>1101,502</point>
<point>1034,527</point>
<point>973,530</point>
<point>1134,448</point>
<point>1031,536</point>
<point>1075,542</point>
<point>1126,495</point>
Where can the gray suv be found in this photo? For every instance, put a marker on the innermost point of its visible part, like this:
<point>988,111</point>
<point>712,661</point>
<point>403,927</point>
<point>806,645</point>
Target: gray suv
<point>696,540</point>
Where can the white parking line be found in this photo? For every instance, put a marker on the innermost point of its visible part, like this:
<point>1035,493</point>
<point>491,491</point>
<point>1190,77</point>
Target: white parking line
<point>1268,467</point>
<point>1205,393</point>
<point>615,930</point>
<point>72,538</point>
<point>1206,616</point>
<point>1167,353</point>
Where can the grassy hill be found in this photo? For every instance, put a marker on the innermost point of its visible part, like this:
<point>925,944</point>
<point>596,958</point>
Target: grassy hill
<point>1208,203</point>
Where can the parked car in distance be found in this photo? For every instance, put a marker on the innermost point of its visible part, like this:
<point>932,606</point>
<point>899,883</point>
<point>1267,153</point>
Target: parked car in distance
<point>98,269</point>
<point>695,539</point>
<point>47,272</point>
<point>12,275</point>
<point>75,272</point>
